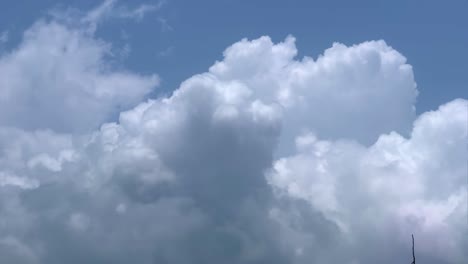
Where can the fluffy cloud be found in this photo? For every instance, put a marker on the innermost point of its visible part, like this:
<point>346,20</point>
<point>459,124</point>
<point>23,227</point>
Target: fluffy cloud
<point>329,95</point>
<point>382,193</point>
<point>211,173</point>
<point>60,77</point>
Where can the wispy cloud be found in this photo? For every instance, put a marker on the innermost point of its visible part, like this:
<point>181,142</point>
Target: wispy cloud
<point>4,37</point>
<point>166,52</point>
<point>165,27</point>
<point>112,9</point>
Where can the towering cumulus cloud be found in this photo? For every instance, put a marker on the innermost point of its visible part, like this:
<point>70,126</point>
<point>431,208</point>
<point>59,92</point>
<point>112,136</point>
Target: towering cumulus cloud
<point>264,158</point>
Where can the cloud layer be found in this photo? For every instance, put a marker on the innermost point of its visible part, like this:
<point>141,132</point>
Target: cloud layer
<point>264,158</point>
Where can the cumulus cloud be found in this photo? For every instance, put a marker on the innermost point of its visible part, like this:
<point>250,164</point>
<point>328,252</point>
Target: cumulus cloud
<point>397,186</point>
<point>60,77</point>
<point>264,158</point>
<point>329,95</point>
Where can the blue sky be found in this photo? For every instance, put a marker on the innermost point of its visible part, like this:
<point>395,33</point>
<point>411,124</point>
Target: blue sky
<point>431,34</point>
<point>234,132</point>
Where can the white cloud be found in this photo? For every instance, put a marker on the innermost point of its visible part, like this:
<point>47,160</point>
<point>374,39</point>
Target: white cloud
<point>110,9</point>
<point>12,180</point>
<point>181,179</point>
<point>395,187</point>
<point>355,92</point>
<point>60,78</point>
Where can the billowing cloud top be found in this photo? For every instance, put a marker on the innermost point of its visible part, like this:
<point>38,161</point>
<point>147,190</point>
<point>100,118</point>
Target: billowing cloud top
<point>264,158</point>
